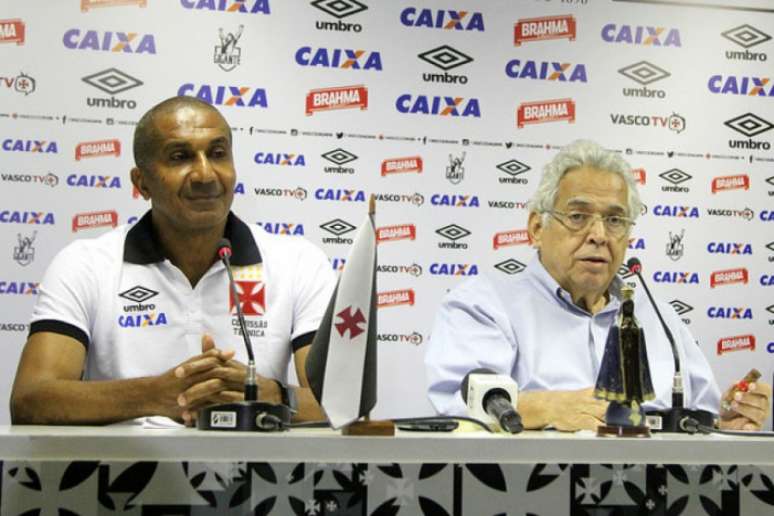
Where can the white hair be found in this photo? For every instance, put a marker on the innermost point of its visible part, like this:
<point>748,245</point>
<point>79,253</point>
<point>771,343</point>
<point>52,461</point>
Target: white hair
<point>578,154</point>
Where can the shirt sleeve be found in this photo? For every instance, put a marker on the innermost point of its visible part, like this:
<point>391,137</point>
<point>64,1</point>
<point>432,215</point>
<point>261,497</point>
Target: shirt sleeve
<point>471,330</point>
<point>314,284</point>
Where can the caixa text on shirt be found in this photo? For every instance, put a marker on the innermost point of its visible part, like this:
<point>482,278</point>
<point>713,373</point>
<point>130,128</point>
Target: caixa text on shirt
<point>142,320</point>
<point>254,328</point>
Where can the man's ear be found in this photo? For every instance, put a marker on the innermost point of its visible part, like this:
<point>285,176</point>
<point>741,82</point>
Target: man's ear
<point>138,180</point>
<point>535,228</point>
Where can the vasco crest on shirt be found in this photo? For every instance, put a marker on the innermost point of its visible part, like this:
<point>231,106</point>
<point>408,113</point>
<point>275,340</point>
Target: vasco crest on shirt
<point>252,299</point>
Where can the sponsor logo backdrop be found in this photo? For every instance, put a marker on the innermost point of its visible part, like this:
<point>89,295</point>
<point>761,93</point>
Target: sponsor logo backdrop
<point>446,110</point>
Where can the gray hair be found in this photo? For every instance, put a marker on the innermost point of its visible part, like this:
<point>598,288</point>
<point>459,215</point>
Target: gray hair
<point>578,154</point>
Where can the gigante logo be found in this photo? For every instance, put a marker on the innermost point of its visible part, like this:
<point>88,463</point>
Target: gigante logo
<point>733,85</point>
<point>643,73</point>
<point>546,71</point>
<point>112,81</point>
<point>445,58</point>
<point>442,19</point>
<point>108,41</point>
<point>339,58</point>
<point>639,35</point>
<point>746,36</point>
<point>94,181</point>
<point>229,6</point>
<point>749,125</point>
<point>280,158</point>
<point>239,96</point>
<point>39,146</point>
<point>339,9</point>
<point>440,106</point>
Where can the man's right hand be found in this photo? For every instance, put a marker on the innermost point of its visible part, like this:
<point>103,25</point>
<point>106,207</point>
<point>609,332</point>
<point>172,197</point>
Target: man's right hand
<point>567,411</point>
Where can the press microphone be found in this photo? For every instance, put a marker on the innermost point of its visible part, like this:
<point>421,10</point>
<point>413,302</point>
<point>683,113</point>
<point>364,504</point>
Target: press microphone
<point>492,397</point>
<point>678,418</point>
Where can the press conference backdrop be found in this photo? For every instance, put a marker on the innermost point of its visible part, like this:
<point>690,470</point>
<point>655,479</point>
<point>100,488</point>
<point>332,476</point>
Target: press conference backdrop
<point>446,110</point>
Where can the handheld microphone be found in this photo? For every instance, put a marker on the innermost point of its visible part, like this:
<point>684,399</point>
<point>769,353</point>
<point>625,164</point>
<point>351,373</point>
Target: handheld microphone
<point>678,418</point>
<point>491,397</point>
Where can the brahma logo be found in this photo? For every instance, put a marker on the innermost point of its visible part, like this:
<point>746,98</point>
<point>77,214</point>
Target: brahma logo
<point>402,165</point>
<point>510,266</point>
<point>738,343</point>
<point>108,41</point>
<point>664,210</point>
<point>339,194</point>
<point>27,217</point>
<point>733,248</point>
<point>446,19</point>
<point>508,238</point>
<point>456,201</point>
<point>436,105</point>
<point>542,111</point>
<point>229,6</point>
<point>639,175</point>
<point>337,227</point>
<point>677,278</point>
<point>644,73</point>
<point>417,199</point>
<point>297,193</point>
<point>395,298</point>
<point>91,4</point>
<point>339,157</point>
<point>729,277</point>
<point>142,320</point>
<point>746,213</point>
<point>452,232</point>
<point>12,31</point>
<point>414,338</point>
<point>343,58</point>
<point>279,158</point>
<point>414,269</point>
<point>282,228</point>
<point>26,288</point>
<point>48,179</point>
<point>673,122</point>
<point>749,125</point>
<point>746,36</point>
<point>445,58</point>
<point>39,146</point>
<point>548,27</point>
<point>95,219</point>
<point>339,9</point>
<point>729,312</point>
<point>112,81</point>
<point>639,35</point>
<point>97,148</point>
<point>733,85</point>
<point>513,168</point>
<point>252,298</point>
<point>737,182</point>
<point>546,71</point>
<point>676,177</point>
<point>454,269</point>
<point>399,232</point>
<point>340,97</point>
<point>94,181</point>
<point>238,96</point>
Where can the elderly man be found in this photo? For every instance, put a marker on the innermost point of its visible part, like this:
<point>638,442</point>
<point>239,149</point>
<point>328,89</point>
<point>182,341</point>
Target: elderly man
<point>547,327</point>
<point>139,322</point>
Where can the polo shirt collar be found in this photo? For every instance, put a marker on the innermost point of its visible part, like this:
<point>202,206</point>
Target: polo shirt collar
<point>142,248</point>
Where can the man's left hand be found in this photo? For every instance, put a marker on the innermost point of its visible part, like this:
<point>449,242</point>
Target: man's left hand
<point>748,410</point>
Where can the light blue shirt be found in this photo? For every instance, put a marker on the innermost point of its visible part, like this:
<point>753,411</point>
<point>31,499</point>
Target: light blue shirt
<point>528,327</point>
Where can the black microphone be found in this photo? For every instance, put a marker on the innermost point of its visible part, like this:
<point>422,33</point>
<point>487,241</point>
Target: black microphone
<point>495,401</point>
<point>251,386</point>
<point>678,419</point>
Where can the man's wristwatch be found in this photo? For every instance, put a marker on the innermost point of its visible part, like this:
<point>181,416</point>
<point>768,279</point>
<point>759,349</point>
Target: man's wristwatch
<point>287,395</point>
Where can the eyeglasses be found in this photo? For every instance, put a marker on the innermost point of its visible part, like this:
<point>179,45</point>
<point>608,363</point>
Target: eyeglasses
<point>615,225</point>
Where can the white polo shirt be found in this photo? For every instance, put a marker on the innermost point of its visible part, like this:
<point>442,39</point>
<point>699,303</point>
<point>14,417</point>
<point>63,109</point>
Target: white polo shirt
<point>137,314</point>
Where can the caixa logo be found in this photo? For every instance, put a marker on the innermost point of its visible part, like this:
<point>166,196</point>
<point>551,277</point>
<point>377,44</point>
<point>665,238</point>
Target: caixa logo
<point>109,41</point>
<point>19,287</point>
<point>279,158</point>
<point>733,85</point>
<point>344,58</point>
<point>282,228</point>
<point>240,96</point>
<point>636,243</point>
<point>766,280</point>
<point>454,269</point>
<point>142,320</point>
<point>546,71</point>
<point>678,278</point>
<point>455,201</point>
<point>229,6</point>
<point>26,217</point>
<point>766,215</point>
<point>94,181</point>
<point>442,19</point>
<point>663,210</point>
<point>729,312</point>
<point>436,105</point>
<point>339,194</point>
<point>641,35</point>
<point>39,146</point>
<point>729,248</point>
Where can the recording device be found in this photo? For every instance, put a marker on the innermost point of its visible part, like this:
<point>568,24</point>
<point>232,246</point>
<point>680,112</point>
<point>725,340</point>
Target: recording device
<point>492,398</point>
<point>678,418</point>
<point>250,414</point>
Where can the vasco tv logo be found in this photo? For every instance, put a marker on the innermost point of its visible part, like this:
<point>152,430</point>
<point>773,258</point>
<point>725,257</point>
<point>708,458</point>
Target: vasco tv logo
<point>108,41</point>
<point>111,81</point>
<point>445,58</point>
<point>438,105</point>
<point>673,122</point>
<point>21,83</point>
<point>32,146</point>
<point>48,179</point>
<point>339,9</point>
<point>644,73</point>
<point>746,36</point>
<point>741,85</point>
<point>344,58</point>
<point>641,35</point>
<point>446,19</point>
<point>749,125</point>
<point>282,228</point>
<point>237,96</point>
<point>280,158</point>
<point>298,193</point>
<point>229,6</point>
<point>546,71</point>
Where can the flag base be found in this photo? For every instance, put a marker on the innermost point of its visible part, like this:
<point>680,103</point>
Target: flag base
<point>622,431</point>
<point>245,416</point>
<point>384,427</point>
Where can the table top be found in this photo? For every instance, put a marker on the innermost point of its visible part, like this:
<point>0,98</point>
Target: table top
<point>135,442</point>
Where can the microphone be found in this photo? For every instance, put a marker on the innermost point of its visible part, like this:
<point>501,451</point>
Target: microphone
<point>491,397</point>
<point>678,418</point>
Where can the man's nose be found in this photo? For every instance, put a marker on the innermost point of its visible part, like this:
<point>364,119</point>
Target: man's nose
<point>597,231</point>
<point>203,170</point>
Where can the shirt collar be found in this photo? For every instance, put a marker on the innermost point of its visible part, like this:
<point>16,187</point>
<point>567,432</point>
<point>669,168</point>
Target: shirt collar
<point>142,248</point>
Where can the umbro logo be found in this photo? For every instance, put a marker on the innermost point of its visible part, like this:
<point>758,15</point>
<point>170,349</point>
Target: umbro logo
<point>510,266</point>
<point>337,227</point>
<point>112,81</point>
<point>445,57</point>
<point>138,294</point>
<point>453,232</point>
